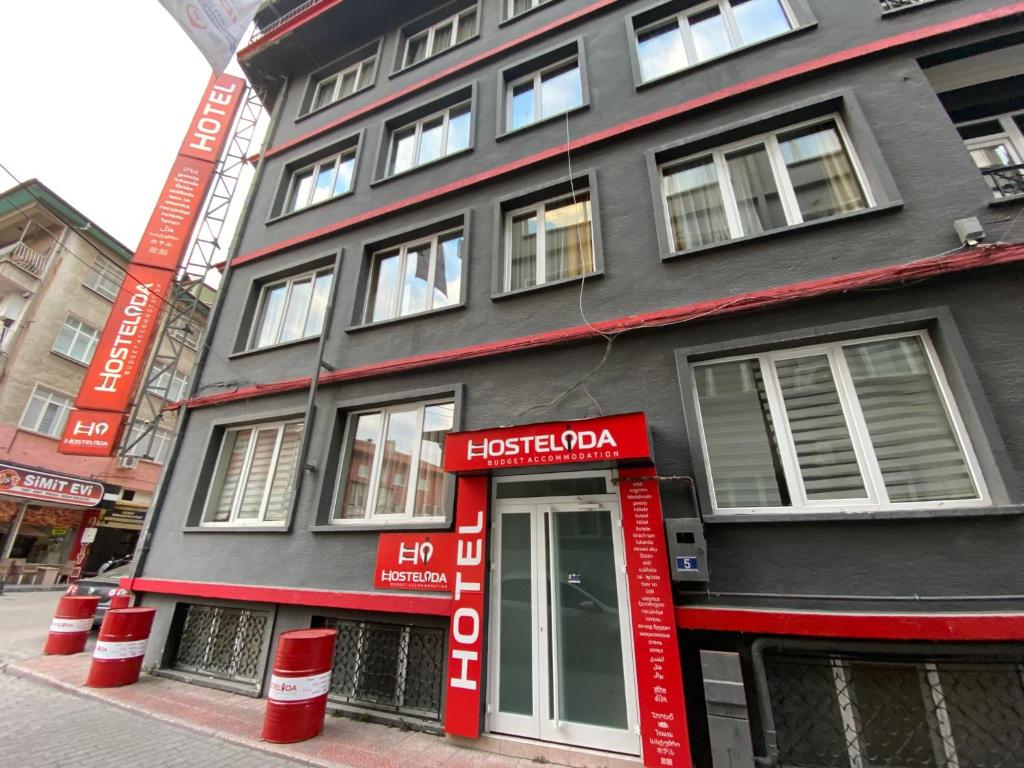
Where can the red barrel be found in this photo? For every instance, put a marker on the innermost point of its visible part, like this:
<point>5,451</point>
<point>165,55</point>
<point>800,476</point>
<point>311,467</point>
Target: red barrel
<point>117,657</point>
<point>297,699</point>
<point>71,624</point>
<point>121,598</point>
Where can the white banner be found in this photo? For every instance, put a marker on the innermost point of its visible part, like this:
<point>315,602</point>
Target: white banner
<point>298,688</point>
<point>215,26</point>
<point>129,649</point>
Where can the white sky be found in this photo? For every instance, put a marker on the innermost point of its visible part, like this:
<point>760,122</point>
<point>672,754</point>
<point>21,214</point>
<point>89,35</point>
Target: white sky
<point>97,96</point>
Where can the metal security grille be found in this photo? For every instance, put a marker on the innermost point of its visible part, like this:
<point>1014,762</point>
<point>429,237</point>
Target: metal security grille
<point>222,642</point>
<point>860,712</point>
<point>392,667</point>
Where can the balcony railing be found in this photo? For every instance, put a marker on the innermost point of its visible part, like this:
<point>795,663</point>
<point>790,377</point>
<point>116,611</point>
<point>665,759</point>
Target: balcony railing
<point>25,257</point>
<point>259,34</point>
<point>899,5</point>
<point>1006,181</point>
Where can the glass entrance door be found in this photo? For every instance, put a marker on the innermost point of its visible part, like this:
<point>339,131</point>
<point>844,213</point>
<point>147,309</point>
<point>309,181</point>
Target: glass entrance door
<point>561,652</point>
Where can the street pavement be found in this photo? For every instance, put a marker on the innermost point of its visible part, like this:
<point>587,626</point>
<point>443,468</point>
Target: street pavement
<point>48,728</point>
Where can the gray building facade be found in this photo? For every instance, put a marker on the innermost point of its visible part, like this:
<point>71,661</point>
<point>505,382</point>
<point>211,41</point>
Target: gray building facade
<point>736,217</point>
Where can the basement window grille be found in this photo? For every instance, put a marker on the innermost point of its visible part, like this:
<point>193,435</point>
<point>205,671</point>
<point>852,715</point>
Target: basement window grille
<point>389,667</point>
<point>828,711</point>
<point>225,643</point>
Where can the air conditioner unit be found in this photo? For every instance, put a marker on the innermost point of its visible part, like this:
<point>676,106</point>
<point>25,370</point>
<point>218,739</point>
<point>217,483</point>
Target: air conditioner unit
<point>128,462</point>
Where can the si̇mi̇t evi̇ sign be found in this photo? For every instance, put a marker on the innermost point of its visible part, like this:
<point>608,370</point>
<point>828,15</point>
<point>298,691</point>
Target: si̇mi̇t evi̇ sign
<point>94,427</point>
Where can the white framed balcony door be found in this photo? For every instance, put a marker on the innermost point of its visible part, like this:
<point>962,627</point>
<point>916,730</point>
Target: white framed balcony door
<point>561,656</point>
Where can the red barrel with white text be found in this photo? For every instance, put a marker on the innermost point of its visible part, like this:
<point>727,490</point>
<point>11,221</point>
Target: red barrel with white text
<point>297,699</point>
<point>121,598</point>
<point>117,657</point>
<point>71,624</point>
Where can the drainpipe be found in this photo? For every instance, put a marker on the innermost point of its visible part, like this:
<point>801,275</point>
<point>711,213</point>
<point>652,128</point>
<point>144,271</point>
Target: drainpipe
<point>142,548</point>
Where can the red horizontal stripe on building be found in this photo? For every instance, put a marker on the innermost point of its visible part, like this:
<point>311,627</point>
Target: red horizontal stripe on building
<point>423,605</point>
<point>629,126</point>
<point>976,258</point>
<point>949,627</point>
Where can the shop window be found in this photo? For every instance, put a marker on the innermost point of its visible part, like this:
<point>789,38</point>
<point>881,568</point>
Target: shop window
<point>896,709</point>
<point>319,181</point>
<point>431,37</point>
<point>803,174</point>
<point>220,642</point>
<point>46,412</point>
<point>388,667</point>
<point>255,474</point>
<point>338,83</point>
<point>291,309</point>
<point>551,90</point>
<point>864,424</point>
<point>77,340</point>
<point>104,277</point>
<point>430,138</point>
<point>392,470</point>
<point>681,38</point>
<point>419,276</point>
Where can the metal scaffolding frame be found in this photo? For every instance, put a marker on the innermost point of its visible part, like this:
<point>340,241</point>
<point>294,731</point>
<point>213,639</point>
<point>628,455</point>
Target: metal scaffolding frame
<point>178,317</point>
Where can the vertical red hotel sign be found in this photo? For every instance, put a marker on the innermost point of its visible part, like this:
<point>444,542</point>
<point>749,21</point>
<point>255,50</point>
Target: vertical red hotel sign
<point>94,426</point>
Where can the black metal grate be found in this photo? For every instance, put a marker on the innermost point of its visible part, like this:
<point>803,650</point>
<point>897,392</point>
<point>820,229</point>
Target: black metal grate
<point>1007,181</point>
<point>853,712</point>
<point>222,642</point>
<point>394,667</point>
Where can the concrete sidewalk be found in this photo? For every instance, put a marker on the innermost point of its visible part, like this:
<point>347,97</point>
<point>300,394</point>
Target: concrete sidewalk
<point>238,719</point>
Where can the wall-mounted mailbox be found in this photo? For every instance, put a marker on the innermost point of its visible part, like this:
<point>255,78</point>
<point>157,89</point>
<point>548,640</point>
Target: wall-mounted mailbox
<point>688,554</point>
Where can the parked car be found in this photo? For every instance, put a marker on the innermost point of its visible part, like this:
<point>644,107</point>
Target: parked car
<point>104,584</point>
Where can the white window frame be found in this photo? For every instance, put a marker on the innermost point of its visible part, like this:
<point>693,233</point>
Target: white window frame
<point>682,20</point>
<point>787,194</point>
<point>539,210</point>
<point>510,8</point>
<point>336,160</point>
<point>536,78</point>
<point>48,396</point>
<point>1011,135</point>
<point>161,444</point>
<point>335,80</point>
<point>373,483</point>
<point>80,331</point>
<point>876,499</point>
<point>102,269</point>
<point>178,382</point>
<point>217,485</point>
<point>190,338</point>
<point>254,332</point>
<point>456,20</point>
<point>417,125</point>
<point>395,302</point>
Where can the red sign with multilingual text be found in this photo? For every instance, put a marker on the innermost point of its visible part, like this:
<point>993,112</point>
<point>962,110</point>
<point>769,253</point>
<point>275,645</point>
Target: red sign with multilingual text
<point>659,680</point>
<point>49,487</point>
<point>419,561</point>
<point>623,437</point>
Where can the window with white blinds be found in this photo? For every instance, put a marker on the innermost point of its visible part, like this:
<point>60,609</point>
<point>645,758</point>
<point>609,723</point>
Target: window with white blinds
<point>255,475</point>
<point>856,425</point>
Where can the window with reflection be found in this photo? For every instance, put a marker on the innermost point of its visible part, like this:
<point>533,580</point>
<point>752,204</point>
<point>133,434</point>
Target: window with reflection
<point>549,241</point>
<point>431,138</point>
<point>291,309</point>
<point>340,85</point>
<point>438,38</point>
<point>768,182</point>
<point>706,31</point>
<point>393,463</point>
<point>320,181</point>
<point>415,277</point>
<point>545,93</point>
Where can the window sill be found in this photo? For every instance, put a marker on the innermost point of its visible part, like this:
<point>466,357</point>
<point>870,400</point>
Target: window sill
<point>325,107</point>
<point>543,121</point>
<point>543,286</point>
<point>402,174</point>
<point>57,438</point>
<point>236,529</point>
<point>101,295</point>
<point>727,518</point>
<point>512,19</point>
<point>644,84</point>
<point>421,62</point>
<point>883,208</point>
<point>273,347</point>
<point>429,524</point>
<point>70,359</point>
<point>195,678</point>
<point>403,318</point>
<point>321,204</point>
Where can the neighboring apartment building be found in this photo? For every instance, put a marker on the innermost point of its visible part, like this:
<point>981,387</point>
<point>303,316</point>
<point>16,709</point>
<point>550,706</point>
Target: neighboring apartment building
<point>59,275</point>
<point>685,258</point>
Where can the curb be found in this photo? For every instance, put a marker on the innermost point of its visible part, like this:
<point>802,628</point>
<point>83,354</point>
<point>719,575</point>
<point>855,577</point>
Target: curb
<point>13,669</point>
